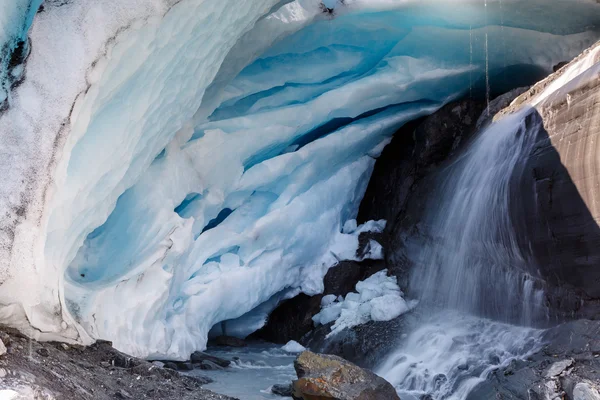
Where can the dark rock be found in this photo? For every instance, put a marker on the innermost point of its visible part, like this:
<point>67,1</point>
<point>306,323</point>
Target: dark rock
<point>415,150</point>
<point>209,366</point>
<point>184,365</point>
<point>331,377</point>
<point>124,361</point>
<point>560,65</point>
<point>122,394</point>
<point>6,339</point>
<point>228,341</point>
<point>171,365</point>
<point>101,342</point>
<point>282,390</point>
<point>365,345</point>
<point>43,352</point>
<point>197,357</point>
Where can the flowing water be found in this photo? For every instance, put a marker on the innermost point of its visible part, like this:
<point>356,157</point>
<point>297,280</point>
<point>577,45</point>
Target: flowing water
<point>474,261</point>
<point>448,354</point>
<point>253,371</point>
<point>473,274</point>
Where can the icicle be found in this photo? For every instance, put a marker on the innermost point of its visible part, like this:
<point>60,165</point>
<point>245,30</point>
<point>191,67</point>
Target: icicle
<point>470,61</point>
<point>487,62</point>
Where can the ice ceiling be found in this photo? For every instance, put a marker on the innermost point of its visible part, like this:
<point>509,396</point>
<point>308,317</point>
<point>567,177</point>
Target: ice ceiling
<point>166,165</point>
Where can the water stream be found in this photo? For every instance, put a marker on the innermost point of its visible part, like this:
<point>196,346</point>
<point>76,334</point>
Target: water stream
<point>253,371</point>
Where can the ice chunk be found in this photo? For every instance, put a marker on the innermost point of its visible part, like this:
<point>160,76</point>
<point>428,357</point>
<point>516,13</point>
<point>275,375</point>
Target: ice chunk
<point>378,298</point>
<point>293,347</point>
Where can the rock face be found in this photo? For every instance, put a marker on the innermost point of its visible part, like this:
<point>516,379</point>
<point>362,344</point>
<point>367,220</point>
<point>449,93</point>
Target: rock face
<point>228,341</point>
<point>323,377</point>
<point>562,185</point>
<point>555,198</point>
<point>415,151</point>
<point>403,177</point>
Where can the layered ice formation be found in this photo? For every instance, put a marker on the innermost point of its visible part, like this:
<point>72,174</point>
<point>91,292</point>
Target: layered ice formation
<point>167,165</point>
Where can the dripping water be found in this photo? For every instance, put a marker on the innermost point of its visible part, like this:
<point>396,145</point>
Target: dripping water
<point>487,64</point>
<point>470,61</point>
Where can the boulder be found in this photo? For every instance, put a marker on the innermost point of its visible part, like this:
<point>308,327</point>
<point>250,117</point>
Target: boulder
<point>282,390</point>
<point>208,365</point>
<point>198,357</point>
<point>323,377</point>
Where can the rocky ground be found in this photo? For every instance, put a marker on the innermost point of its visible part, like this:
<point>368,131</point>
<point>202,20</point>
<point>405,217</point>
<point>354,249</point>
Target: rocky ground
<point>32,370</point>
<point>567,368</point>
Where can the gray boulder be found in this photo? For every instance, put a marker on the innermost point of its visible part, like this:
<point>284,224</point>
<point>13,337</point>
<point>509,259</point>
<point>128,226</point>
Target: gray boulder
<point>330,377</point>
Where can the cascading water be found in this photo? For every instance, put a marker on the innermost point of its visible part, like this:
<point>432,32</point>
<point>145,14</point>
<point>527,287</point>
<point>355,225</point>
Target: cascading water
<point>473,261</point>
<point>473,274</point>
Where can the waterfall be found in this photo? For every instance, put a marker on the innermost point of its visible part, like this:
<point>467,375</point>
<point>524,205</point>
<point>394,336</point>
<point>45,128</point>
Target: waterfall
<point>476,280</point>
<point>474,261</point>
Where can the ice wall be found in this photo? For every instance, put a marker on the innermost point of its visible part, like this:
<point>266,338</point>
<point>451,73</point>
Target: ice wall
<point>189,160</point>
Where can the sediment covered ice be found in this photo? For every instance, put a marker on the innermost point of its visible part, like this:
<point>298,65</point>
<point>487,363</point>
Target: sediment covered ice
<point>168,165</point>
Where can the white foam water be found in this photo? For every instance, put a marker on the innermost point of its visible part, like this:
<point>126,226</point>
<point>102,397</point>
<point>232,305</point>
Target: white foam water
<point>447,355</point>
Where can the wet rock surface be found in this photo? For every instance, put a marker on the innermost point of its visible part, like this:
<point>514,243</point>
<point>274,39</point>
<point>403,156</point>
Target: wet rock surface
<point>199,357</point>
<point>365,345</point>
<point>282,390</point>
<point>33,370</point>
<point>404,178</point>
<point>331,377</point>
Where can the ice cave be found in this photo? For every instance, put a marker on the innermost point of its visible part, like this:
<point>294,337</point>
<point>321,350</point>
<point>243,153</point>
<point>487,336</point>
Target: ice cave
<point>412,185</point>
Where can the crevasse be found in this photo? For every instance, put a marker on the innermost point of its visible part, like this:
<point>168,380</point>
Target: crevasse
<point>202,157</point>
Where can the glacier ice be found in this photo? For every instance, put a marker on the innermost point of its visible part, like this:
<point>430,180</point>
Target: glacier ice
<point>377,298</point>
<point>168,165</point>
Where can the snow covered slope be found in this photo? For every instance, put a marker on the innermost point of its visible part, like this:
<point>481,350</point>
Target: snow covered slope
<point>167,165</point>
